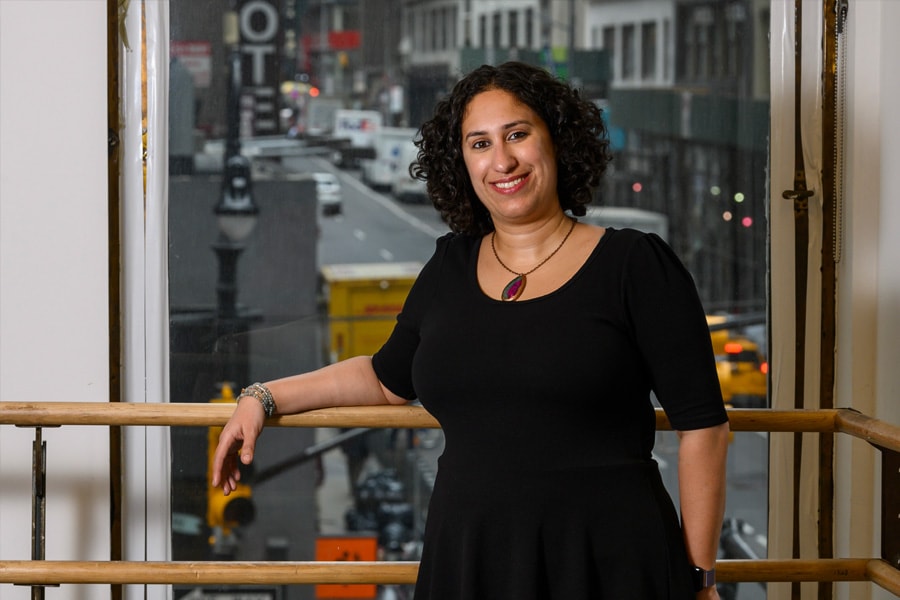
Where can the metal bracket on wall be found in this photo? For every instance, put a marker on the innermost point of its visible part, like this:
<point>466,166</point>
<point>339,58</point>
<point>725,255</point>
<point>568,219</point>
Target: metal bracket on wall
<point>890,506</point>
<point>38,505</point>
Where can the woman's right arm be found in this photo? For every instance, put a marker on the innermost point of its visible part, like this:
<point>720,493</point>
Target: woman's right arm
<point>351,382</point>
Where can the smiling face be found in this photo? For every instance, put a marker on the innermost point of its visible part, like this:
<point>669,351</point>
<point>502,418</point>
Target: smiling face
<point>510,158</point>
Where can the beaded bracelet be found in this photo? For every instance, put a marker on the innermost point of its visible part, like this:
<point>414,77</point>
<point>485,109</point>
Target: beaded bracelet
<point>261,393</point>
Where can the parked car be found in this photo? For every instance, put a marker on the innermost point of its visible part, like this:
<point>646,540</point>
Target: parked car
<point>328,193</point>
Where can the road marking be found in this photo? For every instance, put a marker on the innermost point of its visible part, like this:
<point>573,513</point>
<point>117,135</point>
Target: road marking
<point>386,254</point>
<point>398,212</point>
<point>359,234</point>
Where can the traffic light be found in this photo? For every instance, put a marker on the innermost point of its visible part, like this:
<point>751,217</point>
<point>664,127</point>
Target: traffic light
<point>224,513</point>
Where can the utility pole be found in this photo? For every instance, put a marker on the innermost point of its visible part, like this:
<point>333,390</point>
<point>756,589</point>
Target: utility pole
<point>570,54</point>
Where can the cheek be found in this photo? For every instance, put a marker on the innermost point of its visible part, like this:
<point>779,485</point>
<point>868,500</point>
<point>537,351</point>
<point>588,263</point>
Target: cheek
<point>473,167</point>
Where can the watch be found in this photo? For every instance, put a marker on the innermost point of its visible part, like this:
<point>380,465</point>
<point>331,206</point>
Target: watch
<point>702,578</point>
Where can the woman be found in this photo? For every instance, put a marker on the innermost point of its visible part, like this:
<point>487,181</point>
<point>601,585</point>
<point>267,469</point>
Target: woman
<point>536,341</point>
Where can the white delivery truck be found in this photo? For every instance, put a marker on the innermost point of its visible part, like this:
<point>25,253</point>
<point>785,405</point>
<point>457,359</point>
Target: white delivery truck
<point>317,118</point>
<point>359,128</point>
<point>393,148</point>
<point>403,186</point>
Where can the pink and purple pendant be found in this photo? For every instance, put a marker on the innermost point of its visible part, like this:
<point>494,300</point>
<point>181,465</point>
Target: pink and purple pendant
<point>513,289</point>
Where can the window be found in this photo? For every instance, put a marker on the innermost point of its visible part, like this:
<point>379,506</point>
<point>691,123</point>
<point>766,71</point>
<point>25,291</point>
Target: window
<point>667,43</point>
<point>529,28</point>
<point>628,52</point>
<point>435,30</point>
<point>453,28</point>
<point>648,51</point>
<point>609,45</point>
<point>256,308</point>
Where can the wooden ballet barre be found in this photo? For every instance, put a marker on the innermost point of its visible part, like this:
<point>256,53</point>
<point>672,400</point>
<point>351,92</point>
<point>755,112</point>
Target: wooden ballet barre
<point>46,572</point>
<point>49,414</point>
<point>28,572</point>
<point>884,575</point>
<point>866,428</point>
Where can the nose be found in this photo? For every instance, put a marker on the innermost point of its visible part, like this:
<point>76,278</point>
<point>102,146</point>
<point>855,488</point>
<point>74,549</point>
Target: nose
<point>504,161</point>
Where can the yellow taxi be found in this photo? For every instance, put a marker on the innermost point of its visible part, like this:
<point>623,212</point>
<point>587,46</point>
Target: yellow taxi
<point>742,368</point>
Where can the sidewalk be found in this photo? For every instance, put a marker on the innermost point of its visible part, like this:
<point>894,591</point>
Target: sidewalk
<point>333,496</point>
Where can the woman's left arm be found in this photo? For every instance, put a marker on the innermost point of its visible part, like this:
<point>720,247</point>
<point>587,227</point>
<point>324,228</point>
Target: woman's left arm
<point>701,483</point>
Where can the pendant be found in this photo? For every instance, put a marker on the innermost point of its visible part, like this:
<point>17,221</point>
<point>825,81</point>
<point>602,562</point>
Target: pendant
<point>513,289</point>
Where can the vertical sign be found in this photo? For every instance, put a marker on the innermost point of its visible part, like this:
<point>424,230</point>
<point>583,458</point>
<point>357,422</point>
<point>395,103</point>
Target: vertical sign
<point>261,39</point>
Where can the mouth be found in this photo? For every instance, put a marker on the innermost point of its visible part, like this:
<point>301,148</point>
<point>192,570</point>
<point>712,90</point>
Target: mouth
<point>510,184</point>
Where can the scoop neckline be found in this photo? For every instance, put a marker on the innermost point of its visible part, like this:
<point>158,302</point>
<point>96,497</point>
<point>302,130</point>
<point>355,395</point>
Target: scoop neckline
<point>473,273</point>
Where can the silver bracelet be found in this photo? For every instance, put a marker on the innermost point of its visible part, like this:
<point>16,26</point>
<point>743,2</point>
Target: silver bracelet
<point>261,393</point>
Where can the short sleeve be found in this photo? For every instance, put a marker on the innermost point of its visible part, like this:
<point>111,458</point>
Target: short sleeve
<point>393,361</point>
<point>672,334</point>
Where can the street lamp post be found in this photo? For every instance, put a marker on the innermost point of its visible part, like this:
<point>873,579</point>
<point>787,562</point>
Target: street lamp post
<point>236,212</point>
<point>231,37</point>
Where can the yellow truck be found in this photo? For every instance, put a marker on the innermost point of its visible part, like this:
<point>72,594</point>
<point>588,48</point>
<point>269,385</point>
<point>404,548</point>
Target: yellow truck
<point>363,301</point>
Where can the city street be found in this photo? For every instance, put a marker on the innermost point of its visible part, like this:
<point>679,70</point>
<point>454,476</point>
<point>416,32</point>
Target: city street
<point>373,226</point>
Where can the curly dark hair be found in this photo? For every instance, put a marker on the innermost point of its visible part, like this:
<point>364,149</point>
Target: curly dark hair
<point>576,128</point>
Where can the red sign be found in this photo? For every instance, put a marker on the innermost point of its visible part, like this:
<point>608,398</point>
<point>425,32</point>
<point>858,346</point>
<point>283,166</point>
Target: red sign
<point>196,58</point>
<point>346,548</point>
<point>348,39</point>
<point>344,40</point>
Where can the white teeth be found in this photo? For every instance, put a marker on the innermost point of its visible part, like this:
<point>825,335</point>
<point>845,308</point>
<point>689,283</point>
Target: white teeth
<point>508,184</point>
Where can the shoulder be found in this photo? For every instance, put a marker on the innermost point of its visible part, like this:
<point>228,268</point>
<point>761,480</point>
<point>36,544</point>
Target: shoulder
<point>452,250</point>
<point>639,246</point>
<point>627,238</point>
<point>456,242</point>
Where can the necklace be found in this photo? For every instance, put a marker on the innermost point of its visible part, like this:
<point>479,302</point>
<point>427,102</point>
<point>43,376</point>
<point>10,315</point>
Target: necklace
<point>516,286</point>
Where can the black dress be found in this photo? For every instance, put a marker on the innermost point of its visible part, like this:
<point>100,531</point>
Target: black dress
<point>546,488</point>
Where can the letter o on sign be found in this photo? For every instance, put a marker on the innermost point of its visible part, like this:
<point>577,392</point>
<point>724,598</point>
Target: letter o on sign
<point>271,21</point>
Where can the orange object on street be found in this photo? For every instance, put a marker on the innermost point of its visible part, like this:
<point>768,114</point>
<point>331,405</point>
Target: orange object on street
<point>356,548</point>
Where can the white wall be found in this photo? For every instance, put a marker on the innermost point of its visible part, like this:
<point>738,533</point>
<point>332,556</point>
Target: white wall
<point>868,295</point>
<point>869,274</point>
<point>53,272</point>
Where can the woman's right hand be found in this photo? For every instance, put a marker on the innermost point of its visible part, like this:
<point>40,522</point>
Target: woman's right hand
<point>237,442</point>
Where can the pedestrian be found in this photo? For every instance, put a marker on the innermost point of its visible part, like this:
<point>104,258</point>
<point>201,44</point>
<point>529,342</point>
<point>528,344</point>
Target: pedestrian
<point>537,341</point>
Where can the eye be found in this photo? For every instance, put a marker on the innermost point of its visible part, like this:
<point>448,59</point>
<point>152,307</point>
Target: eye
<point>517,135</point>
<point>479,144</point>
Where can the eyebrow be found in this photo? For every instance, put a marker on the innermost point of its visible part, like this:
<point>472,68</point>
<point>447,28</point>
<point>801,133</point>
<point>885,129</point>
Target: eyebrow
<point>504,127</point>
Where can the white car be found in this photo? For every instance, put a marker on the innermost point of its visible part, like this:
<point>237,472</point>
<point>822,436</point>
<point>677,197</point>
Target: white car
<point>328,193</point>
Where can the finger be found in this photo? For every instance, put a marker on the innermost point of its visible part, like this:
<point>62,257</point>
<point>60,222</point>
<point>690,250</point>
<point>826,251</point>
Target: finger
<point>248,445</point>
<point>246,454</point>
<point>225,449</point>
<point>218,467</point>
